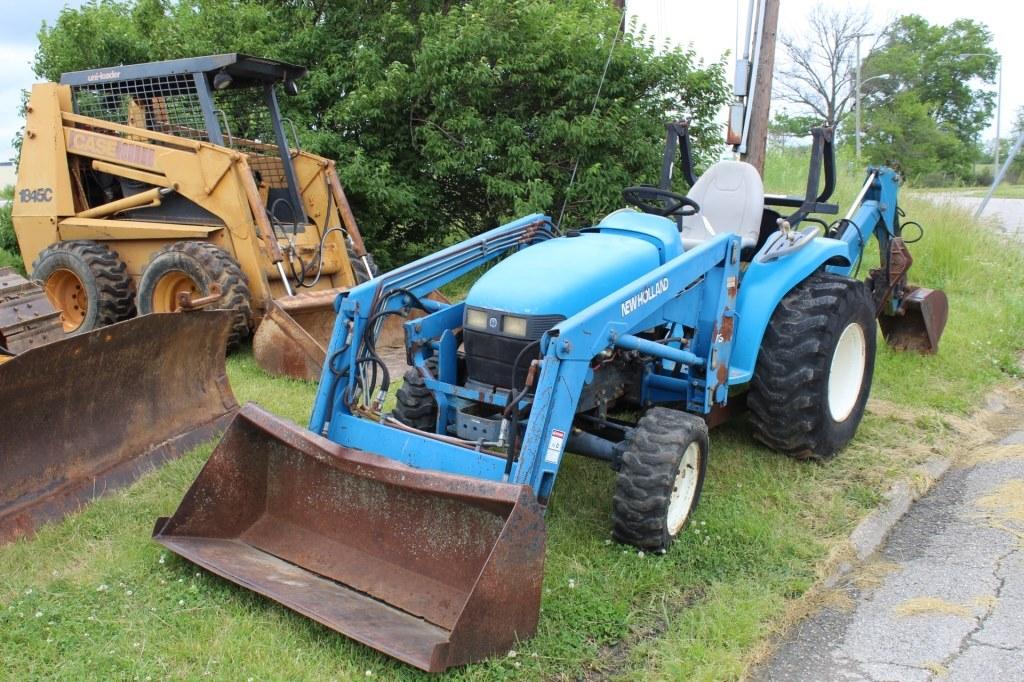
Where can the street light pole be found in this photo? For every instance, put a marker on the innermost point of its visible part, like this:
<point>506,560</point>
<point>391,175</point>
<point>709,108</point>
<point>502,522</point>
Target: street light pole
<point>856,99</point>
<point>999,96</point>
<point>999,108</point>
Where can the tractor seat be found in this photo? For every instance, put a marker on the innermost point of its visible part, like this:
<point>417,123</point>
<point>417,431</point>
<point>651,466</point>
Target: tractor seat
<point>731,199</point>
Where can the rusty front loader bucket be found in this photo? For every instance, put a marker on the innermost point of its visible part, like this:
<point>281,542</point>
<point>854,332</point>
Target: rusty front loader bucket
<point>432,569</point>
<point>90,413</point>
<point>919,322</point>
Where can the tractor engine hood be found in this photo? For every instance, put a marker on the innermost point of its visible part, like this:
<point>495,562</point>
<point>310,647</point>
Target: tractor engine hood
<point>565,275</point>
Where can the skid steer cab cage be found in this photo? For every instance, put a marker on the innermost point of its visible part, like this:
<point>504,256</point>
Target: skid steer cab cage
<point>696,290</point>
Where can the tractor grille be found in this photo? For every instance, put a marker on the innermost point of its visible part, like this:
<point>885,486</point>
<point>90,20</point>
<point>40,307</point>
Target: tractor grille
<point>489,356</point>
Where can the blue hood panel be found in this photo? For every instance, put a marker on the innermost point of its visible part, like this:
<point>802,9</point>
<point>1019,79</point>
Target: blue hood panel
<point>564,275</point>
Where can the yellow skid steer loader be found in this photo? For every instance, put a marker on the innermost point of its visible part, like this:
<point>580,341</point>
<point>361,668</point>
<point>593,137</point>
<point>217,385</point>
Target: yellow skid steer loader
<point>139,183</point>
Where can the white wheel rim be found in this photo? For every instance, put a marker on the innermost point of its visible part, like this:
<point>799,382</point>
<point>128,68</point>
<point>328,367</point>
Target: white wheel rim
<point>684,489</point>
<point>846,374</point>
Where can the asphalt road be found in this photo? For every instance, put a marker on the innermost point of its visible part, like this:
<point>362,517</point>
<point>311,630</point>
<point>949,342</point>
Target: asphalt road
<point>944,598</point>
<point>1005,215</point>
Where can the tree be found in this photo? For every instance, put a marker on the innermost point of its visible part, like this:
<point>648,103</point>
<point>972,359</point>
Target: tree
<point>927,71</point>
<point>785,125</point>
<point>445,117</point>
<point>817,73</point>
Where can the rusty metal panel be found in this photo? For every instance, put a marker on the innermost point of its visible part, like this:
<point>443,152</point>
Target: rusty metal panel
<point>93,412</point>
<point>433,569</point>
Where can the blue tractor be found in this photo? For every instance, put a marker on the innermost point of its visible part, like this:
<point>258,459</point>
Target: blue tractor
<point>419,531</point>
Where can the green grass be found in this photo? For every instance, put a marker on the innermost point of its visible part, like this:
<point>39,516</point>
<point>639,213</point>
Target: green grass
<point>111,604</point>
<point>11,260</point>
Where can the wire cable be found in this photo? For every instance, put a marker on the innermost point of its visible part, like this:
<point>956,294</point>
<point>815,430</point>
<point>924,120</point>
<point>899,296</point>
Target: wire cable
<point>597,97</point>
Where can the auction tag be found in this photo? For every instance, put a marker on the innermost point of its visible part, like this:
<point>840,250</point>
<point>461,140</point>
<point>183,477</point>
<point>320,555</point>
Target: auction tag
<point>554,446</point>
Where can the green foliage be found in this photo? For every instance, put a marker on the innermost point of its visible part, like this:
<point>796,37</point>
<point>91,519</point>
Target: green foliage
<point>924,114</point>
<point>8,240</point>
<point>445,117</point>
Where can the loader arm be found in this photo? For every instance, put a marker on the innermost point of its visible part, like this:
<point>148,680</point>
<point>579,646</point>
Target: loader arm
<point>697,288</point>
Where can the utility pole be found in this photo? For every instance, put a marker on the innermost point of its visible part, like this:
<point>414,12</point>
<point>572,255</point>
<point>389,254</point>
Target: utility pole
<point>761,99</point>
<point>621,6</point>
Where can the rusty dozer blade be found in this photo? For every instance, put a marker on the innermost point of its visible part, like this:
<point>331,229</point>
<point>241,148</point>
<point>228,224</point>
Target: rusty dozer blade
<point>293,336</point>
<point>89,413</point>
<point>919,322</point>
<point>433,569</point>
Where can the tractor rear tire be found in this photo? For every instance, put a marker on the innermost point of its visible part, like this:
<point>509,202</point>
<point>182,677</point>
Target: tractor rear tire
<point>415,405</point>
<point>87,282</point>
<point>193,267</point>
<point>359,268</point>
<point>660,479</point>
<point>814,369</point>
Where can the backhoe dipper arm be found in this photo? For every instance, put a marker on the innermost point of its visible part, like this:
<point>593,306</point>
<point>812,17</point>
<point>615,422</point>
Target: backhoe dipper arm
<point>873,213</point>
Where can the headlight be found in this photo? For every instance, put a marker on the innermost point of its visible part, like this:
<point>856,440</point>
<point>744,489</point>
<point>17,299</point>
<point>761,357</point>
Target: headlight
<point>476,319</point>
<point>516,326</point>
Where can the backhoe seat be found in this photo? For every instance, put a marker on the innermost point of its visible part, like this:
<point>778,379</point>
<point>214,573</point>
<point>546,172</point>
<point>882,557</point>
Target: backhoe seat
<point>731,199</point>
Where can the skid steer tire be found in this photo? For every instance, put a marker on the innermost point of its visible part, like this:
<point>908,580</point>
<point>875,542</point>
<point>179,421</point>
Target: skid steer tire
<point>359,268</point>
<point>194,267</point>
<point>660,480</point>
<point>87,282</point>
<point>814,369</point>
<point>414,402</point>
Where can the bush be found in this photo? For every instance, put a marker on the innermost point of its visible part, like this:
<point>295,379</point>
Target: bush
<point>8,241</point>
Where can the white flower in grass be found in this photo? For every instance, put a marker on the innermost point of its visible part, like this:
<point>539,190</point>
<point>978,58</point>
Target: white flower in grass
<point>28,591</point>
<point>641,554</point>
<point>39,614</point>
<point>102,588</point>
<point>572,584</point>
<point>129,592</point>
<point>512,653</point>
<point>181,602</point>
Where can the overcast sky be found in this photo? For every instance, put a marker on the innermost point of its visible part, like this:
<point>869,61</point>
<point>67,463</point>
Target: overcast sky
<point>709,26</point>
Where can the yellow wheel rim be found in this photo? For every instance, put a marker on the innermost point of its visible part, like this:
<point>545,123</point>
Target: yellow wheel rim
<point>165,293</point>
<point>67,294</point>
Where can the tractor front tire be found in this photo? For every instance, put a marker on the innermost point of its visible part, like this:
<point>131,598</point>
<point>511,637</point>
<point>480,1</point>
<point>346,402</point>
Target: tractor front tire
<point>660,479</point>
<point>193,268</point>
<point>814,369</point>
<point>87,282</point>
<point>414,402</point>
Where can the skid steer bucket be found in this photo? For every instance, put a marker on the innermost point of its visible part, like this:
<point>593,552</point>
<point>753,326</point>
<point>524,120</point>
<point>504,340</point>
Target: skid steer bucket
<point>90,413</point>
<point>293,337</point>
<point>433,569</point>
<point>919,322</point>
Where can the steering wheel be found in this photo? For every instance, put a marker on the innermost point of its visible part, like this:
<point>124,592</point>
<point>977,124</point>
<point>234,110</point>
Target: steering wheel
<point>660,202</point>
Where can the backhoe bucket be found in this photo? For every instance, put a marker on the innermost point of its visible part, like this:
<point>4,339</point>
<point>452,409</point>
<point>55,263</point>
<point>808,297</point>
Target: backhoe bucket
<point>90,413</point>
<point>433,569</point>
<point>919,322</point>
